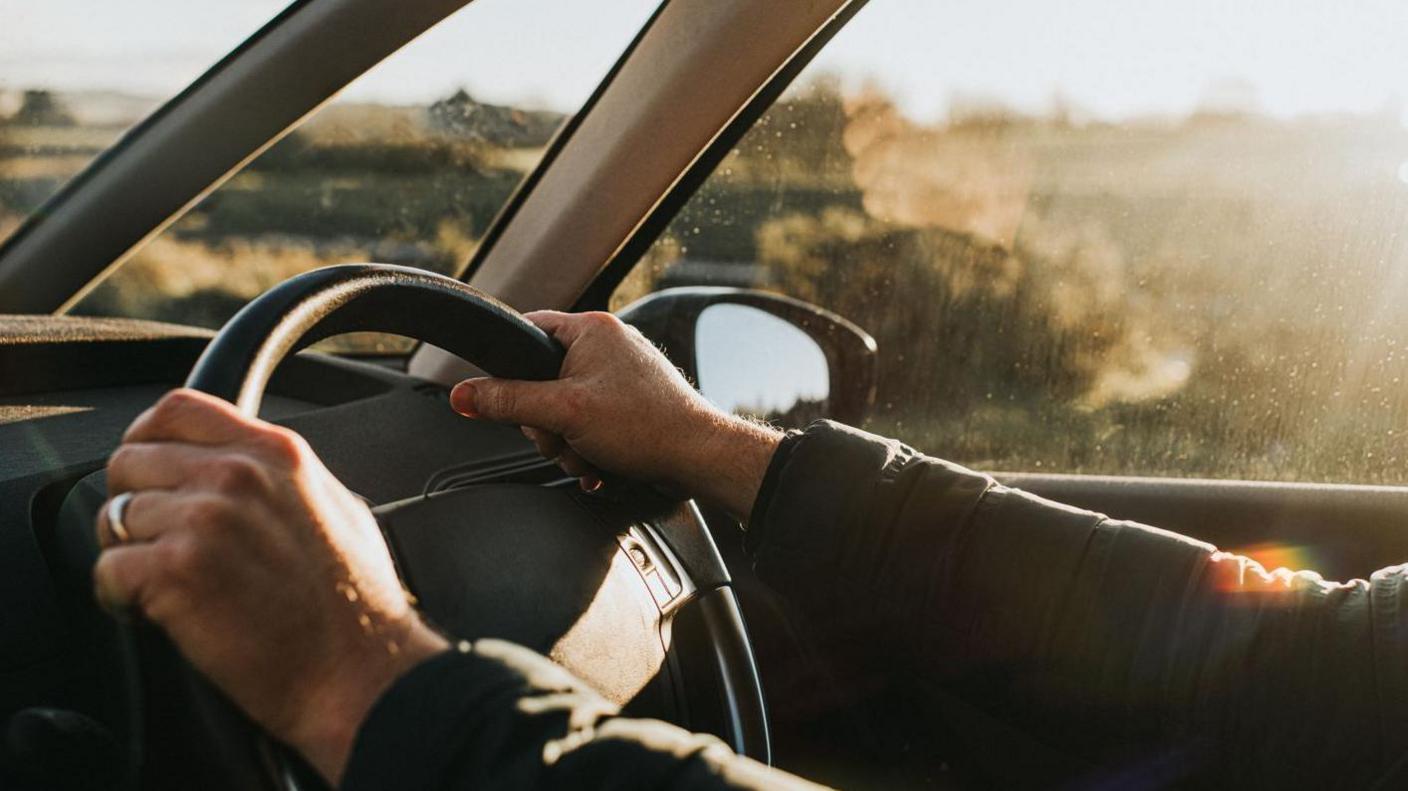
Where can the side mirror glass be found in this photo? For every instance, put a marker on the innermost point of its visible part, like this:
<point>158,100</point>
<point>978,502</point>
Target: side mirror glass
<point>754,353</point>
<point>750,362</point>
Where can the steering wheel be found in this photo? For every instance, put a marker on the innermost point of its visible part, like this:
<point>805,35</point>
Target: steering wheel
<point>626,589</point>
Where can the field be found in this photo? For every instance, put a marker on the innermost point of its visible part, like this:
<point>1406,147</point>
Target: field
<point>358,183</point>
<point>1214,295</point>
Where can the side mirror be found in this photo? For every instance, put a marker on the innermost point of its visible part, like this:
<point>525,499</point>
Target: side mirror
<point>763,355</point>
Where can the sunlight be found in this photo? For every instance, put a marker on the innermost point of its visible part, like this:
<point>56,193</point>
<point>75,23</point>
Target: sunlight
<point>596,650</point>
<point>16,413</point>
<point>1275,555</point>
<point>1275,568</point>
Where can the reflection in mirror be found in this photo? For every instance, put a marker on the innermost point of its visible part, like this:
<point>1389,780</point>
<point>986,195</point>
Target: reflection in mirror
<point>753,363</point>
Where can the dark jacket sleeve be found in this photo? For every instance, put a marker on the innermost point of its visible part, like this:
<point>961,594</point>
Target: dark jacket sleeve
<point>497,715</point>
<point>1153,658</point>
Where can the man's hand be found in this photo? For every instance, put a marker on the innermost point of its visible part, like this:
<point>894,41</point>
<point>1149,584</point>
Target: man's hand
<point>269,575</point>
<point>619,405</point>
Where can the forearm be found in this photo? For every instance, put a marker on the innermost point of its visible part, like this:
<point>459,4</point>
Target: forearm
<point>499,716</point>
<point>1099,638</point>
<point>1142,645</point>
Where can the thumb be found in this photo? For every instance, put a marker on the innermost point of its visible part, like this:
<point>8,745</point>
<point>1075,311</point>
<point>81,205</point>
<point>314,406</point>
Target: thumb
<point>509,401</point>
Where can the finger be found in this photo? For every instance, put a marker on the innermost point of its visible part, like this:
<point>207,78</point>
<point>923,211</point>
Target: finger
<point>120,575</point>
<point>549,445</point>
<point>537,404</point>
<point>569,327</point>
<point>555,323</point>
<point>156,465</point>
<point>190,416</point>
<point>152,512</point>
<point>574,465</point>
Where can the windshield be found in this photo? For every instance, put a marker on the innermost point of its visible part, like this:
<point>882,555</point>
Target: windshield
<point>1094,237</point>
<point>75,75</point>
<point>408,166</point>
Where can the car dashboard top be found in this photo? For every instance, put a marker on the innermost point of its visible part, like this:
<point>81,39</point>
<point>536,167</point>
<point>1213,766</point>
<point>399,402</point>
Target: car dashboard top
<point>70,386</point>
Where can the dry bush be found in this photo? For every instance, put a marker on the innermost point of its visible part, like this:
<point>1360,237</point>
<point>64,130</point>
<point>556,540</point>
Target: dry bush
<point>192,282</point>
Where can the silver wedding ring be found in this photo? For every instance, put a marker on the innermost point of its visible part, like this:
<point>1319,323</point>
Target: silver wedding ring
<point>117,508</point>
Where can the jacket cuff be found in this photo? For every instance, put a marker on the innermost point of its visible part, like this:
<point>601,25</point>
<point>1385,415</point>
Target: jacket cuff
<point>757,518</point>
<point>417,729</point>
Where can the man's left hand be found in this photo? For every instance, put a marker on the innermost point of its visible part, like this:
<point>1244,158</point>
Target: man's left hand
<point>270,576</point>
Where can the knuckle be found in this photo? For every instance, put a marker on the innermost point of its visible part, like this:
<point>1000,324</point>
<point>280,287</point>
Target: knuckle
<point>167,411</point>
<point>123,457</point>
<point>284,446</point>
<point>175,403</point>
<point>235,474</point>
<point>602,320</point>
<point>181,559</point>
<point>208,512</point>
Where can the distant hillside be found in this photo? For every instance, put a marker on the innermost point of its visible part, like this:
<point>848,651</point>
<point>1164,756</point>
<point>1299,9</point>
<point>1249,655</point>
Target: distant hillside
<point>84,108</point>
<point>41,108</point>
<point>457,116</point>
<point>507,127</point>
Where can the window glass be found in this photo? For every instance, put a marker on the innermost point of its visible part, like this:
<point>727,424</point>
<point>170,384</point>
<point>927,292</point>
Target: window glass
<point>75,74</point>
<point>408,166</point>
<point>1095,237</point>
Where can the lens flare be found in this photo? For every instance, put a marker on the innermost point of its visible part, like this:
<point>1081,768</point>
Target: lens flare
<point>1269,567</point>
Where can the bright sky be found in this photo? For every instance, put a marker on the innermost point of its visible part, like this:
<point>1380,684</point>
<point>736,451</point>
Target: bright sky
<point>1114,58</point>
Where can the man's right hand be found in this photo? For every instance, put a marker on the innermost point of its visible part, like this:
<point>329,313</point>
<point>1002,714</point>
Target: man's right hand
<point>620,406</point>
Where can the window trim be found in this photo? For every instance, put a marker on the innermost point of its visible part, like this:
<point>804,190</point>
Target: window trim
<point>598,293</point>
<point>504,217</point>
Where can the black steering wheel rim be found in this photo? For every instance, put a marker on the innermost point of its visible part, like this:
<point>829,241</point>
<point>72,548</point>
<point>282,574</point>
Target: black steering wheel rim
<point>237,366</point>
<point>239,361</point>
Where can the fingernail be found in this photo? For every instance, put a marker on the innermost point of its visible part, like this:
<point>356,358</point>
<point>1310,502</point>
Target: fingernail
<point>462,399</point>
<point>589,483</point>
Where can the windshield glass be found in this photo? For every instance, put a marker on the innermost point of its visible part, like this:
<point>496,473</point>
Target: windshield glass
<point>75,75</point>
<point>1094,236</point>
<point>408,166</point>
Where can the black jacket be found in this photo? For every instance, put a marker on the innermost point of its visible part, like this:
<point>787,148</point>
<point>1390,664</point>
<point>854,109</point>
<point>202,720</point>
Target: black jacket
<point>1064,643</point>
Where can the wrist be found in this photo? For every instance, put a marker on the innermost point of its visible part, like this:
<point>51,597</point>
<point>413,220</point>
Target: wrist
<point>328,727</point>
<point>728,464</point>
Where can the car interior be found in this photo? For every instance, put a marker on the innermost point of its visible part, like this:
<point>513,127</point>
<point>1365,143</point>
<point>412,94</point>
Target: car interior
<point>650,599</point>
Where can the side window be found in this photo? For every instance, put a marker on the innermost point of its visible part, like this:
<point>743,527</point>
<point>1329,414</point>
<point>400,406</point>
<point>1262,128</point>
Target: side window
<point>1165,253</point>
<point>407,166</point>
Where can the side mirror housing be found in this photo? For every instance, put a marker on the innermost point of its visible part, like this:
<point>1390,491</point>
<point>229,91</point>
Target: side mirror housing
<point>764,355</point>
